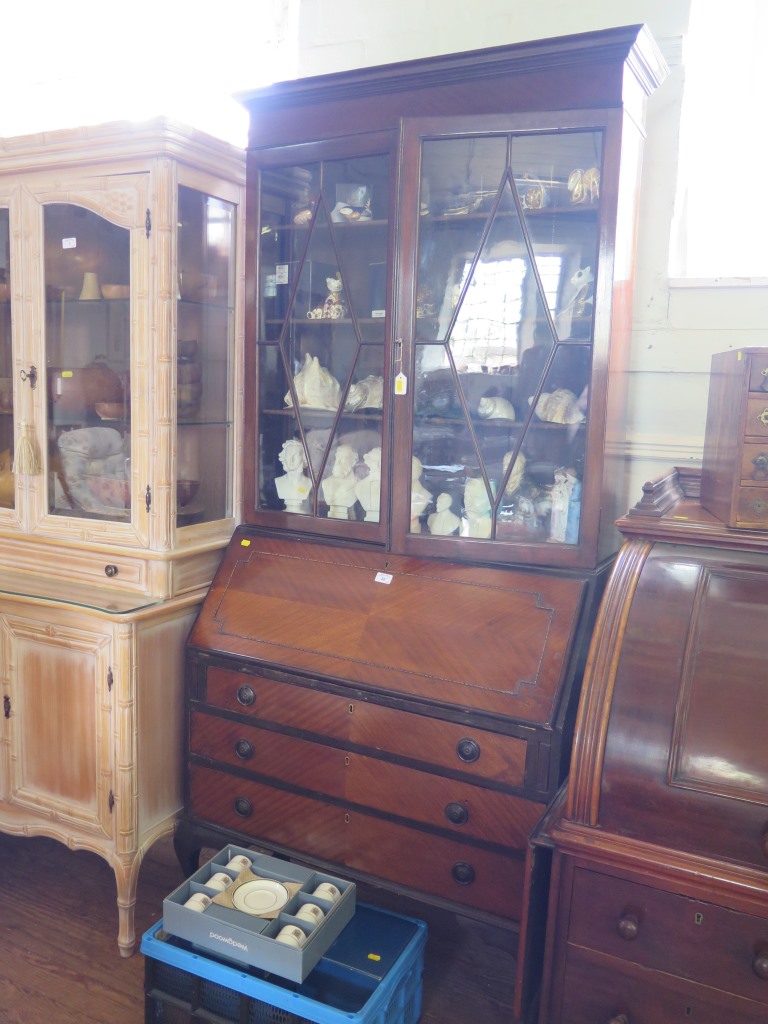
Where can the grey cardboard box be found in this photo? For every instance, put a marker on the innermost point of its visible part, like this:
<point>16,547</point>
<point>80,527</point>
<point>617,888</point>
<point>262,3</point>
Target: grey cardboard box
<point>249,939</point>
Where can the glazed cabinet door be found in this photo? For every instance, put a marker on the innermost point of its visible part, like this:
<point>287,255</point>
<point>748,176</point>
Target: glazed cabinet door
<point>81,265</point>
<point>318,446</point>
<point>498,389</point>
<point>57,693</point>
<point>7,489</point>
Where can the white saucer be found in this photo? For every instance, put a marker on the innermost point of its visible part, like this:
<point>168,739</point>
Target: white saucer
<point>260,896</point>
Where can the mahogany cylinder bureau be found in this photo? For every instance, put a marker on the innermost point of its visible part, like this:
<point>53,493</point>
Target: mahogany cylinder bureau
<point>659,899</point>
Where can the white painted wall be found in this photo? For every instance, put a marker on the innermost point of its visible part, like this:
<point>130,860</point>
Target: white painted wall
<point>675,331</point>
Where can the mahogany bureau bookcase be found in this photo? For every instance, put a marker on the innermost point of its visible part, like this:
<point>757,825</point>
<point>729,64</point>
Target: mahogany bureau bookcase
<point>439,263</point>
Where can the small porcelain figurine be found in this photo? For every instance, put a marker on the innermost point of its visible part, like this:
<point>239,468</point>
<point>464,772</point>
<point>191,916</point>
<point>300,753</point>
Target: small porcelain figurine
<point>339,487</point>
<point>420,496</point>
<point>368,490</point>
<point>444,521</point>
<point>560,494</point>
<point>559,406</point>
<point>574,508</point>
<point>477,507</point>
<point>294,487</point>
<point>334,307</point>
<point>315,386</point>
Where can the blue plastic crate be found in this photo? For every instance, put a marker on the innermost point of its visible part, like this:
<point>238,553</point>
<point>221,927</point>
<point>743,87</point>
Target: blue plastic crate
<point>370,975</point>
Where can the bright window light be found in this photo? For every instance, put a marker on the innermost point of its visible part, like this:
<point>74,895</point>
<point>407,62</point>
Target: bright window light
<point>84,63</point>
<point>721,210</point>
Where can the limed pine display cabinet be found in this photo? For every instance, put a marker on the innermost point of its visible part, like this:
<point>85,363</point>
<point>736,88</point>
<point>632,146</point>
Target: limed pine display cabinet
<point>120,341</point>
<point>438,275</point>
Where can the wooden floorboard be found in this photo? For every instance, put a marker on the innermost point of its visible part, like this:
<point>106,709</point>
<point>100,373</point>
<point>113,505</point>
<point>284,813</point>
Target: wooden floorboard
<point>60,962</point>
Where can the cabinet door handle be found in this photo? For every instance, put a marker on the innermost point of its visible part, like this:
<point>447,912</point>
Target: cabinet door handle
<point>628,926</point>
<point>242,806</point>
<point>244,749</point>
<point>760,963</point>
<point>760,462</point>
<point>246,695</point>
<point>468,750</point>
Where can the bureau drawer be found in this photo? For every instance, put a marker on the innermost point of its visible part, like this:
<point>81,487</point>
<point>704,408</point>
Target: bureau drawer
<point>756,424</point>
<point>463,748</point>
<point>752,507</point>
<point>446,803</point>
<point>669,932</point>
<point>754,464</point>
<point>467,875</point>
<point>601,992</point>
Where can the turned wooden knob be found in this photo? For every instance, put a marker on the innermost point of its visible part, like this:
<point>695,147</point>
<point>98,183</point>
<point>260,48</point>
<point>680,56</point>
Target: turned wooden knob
<point>456,813</point>
<point>468,750</point>
<point>242,806</point>
<point>463,873</point>
<point>628,926</point>
<point>760,963</point>
<point>244,749</point>
<point>246,695</point>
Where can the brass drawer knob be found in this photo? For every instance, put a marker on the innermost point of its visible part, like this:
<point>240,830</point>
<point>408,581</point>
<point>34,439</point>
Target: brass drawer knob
<point>763,416</point>
<point>628,926</point>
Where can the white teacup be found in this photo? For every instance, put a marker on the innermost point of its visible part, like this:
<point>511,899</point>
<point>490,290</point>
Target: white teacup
<point>310,912</point>
<point>327,891</point>
<point>239,861</point>
<point>291,935</point>
<point>221,881</point>
<point>198,901</point>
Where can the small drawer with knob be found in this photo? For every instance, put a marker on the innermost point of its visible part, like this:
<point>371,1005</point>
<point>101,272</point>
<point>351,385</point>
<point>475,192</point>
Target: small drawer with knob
<point>671,932</point>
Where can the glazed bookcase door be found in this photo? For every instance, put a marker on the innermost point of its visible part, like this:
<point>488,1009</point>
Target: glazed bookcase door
<point>321,341</point>
<point>7,490</point>
<point>499,343</point>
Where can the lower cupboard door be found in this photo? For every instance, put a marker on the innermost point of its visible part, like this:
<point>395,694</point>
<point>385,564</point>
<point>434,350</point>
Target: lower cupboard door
<point>469,875</point>
<point>598,993</point>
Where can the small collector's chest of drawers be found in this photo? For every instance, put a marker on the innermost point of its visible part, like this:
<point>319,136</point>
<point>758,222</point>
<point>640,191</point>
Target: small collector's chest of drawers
<point>734,483</point>
<point>659,896</point>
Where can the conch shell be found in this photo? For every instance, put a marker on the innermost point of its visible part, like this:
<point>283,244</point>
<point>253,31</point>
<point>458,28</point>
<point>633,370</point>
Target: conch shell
<point>366,394</point>
<point>495,409</point>
<point>559,406</point>
<point>315,386</point>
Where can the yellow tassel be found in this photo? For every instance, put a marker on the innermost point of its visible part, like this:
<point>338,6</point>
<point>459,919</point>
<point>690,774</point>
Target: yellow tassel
<point>27,458</point>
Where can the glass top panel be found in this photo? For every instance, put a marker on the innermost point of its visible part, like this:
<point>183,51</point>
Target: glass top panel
<point>507,250</point>
<point>87,335</point>
<point>7,489</point>
<point>322,336</point>
<point>205,357</point>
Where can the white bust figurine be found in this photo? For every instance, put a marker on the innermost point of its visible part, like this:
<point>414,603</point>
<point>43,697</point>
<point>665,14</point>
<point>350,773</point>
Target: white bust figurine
<point>443,522</point>
<point>477,508</point>
<point>339,487</point>
<point>368,490</point>
<point>294,487</point>
<point>420,496</point>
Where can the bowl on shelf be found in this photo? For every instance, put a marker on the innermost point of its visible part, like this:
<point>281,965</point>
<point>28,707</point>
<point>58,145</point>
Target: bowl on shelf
<point>110,491</point>
<point>116,291</point>
<point>185,491</point>
<point>111,410</point>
